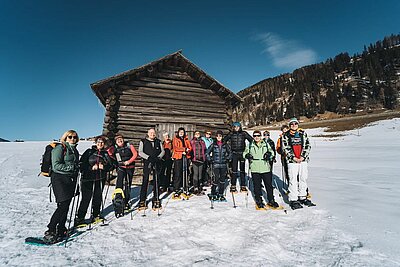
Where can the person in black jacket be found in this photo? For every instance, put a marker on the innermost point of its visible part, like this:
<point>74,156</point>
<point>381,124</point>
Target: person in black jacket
<point>218,155</point>
<point>151,151</point>
<point>237,140</point>
<point>94,165</point>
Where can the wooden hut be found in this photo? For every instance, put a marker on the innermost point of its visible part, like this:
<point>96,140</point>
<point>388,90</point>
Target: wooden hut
<point>168,93</point>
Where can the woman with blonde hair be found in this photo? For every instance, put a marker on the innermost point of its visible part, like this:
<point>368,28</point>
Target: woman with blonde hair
<point>64,173</point>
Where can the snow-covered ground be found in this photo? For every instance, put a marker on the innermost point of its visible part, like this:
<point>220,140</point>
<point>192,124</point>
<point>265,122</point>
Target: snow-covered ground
<point>354,181</point>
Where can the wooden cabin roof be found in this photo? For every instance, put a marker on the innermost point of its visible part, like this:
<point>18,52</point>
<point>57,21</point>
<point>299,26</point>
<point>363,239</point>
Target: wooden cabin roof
<point>100,87</point>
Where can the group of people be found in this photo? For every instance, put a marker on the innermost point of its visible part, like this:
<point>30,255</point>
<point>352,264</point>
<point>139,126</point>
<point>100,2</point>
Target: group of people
<point>180,165</point>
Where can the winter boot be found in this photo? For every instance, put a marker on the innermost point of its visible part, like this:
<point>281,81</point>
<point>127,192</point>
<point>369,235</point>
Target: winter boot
<point>79,222</point>
<point>142,205</point>
<point>273,205</point>
<point>50,237</point>
<point>260,205</point>
<point>295,205</point>
<point>243,189</point>
<point>62,233</point>
<point>156,205</point>
<point>222,198</point>
<point>233,189</point>
<point>307,202</point>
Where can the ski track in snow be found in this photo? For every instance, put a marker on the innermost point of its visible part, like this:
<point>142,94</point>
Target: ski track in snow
<point>189,233</point>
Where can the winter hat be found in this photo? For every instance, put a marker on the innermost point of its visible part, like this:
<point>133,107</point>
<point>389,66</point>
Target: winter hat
<point>220,132</point>
<point>266,133</point>
<point>293,120</point>
<point>118,136</point>
<point>236,124</point>
<point>256,132</point>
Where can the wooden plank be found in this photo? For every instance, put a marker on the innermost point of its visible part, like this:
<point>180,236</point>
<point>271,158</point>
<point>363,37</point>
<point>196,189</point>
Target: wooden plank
<point>173,94</point>
<point>170,108</point>
<point>151,99</point>
<point>169,82</point>
<point>171,113</point>
<point>174,76</point>
<point>173,87</point>
<point>155,119</point>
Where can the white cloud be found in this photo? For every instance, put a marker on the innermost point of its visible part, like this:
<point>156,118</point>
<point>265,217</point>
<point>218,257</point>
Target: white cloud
<point>286,53</point>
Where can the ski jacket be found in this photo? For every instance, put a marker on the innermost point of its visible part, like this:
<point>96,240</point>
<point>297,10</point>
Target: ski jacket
<point>208,141</point>
<point>279,149</point>
<point>180,145</point>
<point>198,150</point>
<point>258,164</point>
<point>127,153</point>
<point>65,159</point>
<point>237,140</point>
<point>91,157</point>
<point>168,149</point>
<point>219,154</point>
<point>296,138</point>
<point>151,148</point>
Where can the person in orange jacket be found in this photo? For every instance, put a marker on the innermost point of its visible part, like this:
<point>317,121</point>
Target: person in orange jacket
<point>181,149</point>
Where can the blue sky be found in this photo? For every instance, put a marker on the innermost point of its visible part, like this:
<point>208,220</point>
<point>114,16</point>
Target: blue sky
<point>50,51</point>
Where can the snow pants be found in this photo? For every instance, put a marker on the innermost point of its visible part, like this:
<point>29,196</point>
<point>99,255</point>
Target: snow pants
<point>165,175</point>
<point>197,173</point>
<point>297,187</point>
<point>258,178</point>
<point>124,181</point>
<point>146,173</point>
<point>91,190</point>
<point>238,161</point>
<point>178,174</point>
<point>59,217</point>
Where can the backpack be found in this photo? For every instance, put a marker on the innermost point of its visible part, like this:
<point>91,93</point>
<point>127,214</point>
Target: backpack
<point>45,168</point>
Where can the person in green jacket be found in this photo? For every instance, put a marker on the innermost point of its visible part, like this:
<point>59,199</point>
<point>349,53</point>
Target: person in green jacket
<point>259,153</point>
<point>64,173</point>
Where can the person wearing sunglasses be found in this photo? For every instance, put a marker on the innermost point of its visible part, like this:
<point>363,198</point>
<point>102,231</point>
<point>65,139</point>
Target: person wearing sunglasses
<point>94,165</point>
<point>259,153</point>
<point>237,141</point>
<point>296,147</point>
<point>64,174</point>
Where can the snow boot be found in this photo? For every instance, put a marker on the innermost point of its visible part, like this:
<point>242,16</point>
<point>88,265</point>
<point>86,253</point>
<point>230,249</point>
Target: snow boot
<point>177,195</point>
<point>307,202</point>
<point>50,237</point>
<point>79,222</point>
<point>156,205</point>
<point>233,189</point>
<point>273,205</point>
<point>243,189</point>
<point>260,205</point>
<point>142,205</point>
<point>222,198</point>
<point>295,205</point>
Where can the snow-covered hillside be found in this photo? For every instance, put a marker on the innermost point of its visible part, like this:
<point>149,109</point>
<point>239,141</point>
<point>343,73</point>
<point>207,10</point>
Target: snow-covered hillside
<point>353,180</point>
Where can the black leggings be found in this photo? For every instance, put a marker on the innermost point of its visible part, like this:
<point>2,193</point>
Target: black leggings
<point>146,173</point>
<point>59,217</point>
<point>237,159</point>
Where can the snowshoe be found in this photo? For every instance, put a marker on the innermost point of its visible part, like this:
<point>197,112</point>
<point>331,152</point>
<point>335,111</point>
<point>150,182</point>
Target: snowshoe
<point>233,190</point>
<point>295,205</point>
<point>243,189</point>
<point>79,222</point>
<point>97,219</point>
<point>176,196</point>
<point>50,237</point>
<point>212,197</point>
<point>274,205</point>
<point>142,205</point>
<point>307,202</point>
<point>260,206</point>
<point>118,202</point>
<point>221,198</point>
<point>186,195</point>
<point>308,195</point>
<point>156,205</point>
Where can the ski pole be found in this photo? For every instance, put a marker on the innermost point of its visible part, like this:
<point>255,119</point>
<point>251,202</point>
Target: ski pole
<point>72,209</point>
<point>103,202</point>
<point>155,177</point>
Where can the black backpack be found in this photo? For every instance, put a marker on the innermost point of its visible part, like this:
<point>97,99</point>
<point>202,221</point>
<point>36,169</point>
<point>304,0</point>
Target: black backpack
<point>45,168</point>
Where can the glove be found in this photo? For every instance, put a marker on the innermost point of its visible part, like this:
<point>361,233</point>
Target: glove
<point>267,156</point>
<point>153,159</point>
<point>249,156</point>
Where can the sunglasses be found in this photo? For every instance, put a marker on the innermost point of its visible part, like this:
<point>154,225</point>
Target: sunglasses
<point>72,137</point>
<point>208,133</point>
<point>293,123</point>
<point>266,134</point>
<point>256,135</point>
